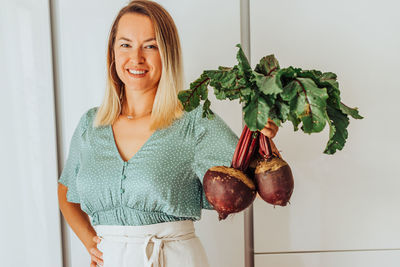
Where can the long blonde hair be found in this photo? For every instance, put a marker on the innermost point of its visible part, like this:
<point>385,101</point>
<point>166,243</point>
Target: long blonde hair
<point>166,106</point>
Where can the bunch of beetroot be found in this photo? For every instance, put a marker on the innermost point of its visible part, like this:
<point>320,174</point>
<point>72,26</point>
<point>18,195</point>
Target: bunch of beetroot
<point>255,168</point>
<point>310,99</point>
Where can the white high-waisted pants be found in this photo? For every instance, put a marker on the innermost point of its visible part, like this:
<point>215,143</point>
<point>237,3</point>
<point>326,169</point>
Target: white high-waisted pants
<point>169,244</point>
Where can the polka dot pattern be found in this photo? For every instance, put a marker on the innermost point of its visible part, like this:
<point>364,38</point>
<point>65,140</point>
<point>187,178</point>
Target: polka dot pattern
<point>162,182</point>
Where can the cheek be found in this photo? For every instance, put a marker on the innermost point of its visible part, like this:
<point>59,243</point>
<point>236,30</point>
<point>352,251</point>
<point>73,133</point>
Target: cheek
<point>120,56</point>
<point>119,71</point>
<point>118,60</point>
<point>158,65</point>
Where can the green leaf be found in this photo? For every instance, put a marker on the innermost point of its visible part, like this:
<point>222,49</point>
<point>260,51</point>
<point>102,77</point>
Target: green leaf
<point>309,105</point>
<point>267,65</point>
<point>284,110</point>
<point>338,122</point>
<point>225,83</point>
<point>269,85</point>
<point>350,111</point>
<point>295,121</point>
<point>244,65</point>
<point>190,98</point>
<point>226,78</point>
<point>290,91</point>
<point>274,115</point>
<point>256,113</point>
<point>224,68</point>
<point>207,112</point>
<point>249,95</point>
<point>325,80</point>
<point>218,78</point>
<point>328,78</point>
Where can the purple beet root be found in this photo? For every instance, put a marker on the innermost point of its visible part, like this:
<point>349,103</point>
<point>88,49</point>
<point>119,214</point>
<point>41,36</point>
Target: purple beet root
<point>274,181</point>
<point>228,190</point>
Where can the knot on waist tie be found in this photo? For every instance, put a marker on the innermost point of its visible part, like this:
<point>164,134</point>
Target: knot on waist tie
<point>157,255</point>
<point>156,258</point>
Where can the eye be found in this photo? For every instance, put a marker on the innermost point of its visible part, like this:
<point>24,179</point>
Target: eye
<point>123,45</point>
<point>151,46</point>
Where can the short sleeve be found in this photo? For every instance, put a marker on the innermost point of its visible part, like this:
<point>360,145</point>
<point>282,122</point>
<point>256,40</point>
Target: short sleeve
<point>72,164</point>
<point>215,145</point>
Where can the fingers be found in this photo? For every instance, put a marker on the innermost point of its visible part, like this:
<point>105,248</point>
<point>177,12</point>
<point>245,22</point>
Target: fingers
<point>271,129</point>
<point>96,260</point>
<point>271,124</point>
<point>96,239</point>
<point>268,133</point>
<point>95,254</point>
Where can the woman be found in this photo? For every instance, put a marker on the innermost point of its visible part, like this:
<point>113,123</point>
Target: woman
<point>136,162</point>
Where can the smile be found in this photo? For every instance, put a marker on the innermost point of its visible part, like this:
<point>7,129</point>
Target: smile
<point>137,73</point>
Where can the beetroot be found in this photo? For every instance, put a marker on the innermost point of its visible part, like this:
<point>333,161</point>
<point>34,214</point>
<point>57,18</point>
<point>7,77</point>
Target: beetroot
<point>229,189</point>
<point>252,166</point>
<point>255,168</point>
<point>273,176</point>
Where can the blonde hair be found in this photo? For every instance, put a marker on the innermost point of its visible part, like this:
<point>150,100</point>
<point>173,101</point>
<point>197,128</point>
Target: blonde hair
<point>166,107</point>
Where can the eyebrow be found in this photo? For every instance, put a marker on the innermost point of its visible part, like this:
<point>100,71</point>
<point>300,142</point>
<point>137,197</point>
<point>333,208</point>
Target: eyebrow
<point>129,40</point>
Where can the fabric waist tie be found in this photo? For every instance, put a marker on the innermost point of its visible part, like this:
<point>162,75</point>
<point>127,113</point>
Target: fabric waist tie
<point>163,232</point>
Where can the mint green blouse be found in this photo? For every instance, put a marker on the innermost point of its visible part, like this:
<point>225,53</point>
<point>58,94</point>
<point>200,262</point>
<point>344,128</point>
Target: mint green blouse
<point>162,182</point>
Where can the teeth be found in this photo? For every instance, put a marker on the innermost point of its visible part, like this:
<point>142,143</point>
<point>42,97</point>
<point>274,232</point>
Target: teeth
<point>137,71</point>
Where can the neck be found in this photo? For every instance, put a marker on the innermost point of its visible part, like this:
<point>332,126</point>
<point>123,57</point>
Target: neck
<point>138,103</point>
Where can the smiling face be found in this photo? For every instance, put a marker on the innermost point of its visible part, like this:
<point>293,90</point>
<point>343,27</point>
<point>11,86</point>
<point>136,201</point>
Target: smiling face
<point>137,58</point>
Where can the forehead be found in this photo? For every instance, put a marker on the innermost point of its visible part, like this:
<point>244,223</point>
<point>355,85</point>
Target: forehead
<point>133,25</point>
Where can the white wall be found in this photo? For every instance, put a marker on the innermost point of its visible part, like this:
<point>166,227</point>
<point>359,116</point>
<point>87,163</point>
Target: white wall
<point>347,201</point>
<point>29,222</point>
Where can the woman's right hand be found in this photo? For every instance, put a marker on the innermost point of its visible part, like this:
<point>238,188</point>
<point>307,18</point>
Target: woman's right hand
<point>95,254</point>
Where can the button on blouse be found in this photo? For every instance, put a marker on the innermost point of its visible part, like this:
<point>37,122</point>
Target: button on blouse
<point>162,182</point>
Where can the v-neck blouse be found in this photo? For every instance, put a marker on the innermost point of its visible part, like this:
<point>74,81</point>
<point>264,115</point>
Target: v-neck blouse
<point>162,182</point>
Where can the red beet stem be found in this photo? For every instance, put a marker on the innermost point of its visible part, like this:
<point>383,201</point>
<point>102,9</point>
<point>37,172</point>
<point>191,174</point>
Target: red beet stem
<point>265,148</point>
<point>245,146</point>
<point>241,148</point>
<point>245,149</point>
<point>238,148</point>
<point>252,149</point>
<point>268,145</point>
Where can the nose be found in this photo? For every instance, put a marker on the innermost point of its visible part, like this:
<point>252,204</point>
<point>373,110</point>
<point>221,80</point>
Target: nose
<point>137,56</point>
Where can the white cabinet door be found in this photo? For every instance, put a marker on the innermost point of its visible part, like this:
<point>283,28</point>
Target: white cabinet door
<point>331,259</point>
<point>348,200</point>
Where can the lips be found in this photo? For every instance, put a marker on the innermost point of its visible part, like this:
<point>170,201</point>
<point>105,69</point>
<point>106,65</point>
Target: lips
<point>137,73</point>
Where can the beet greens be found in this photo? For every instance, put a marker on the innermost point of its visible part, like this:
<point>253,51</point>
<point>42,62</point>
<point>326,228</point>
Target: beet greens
<point>309,97</point>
